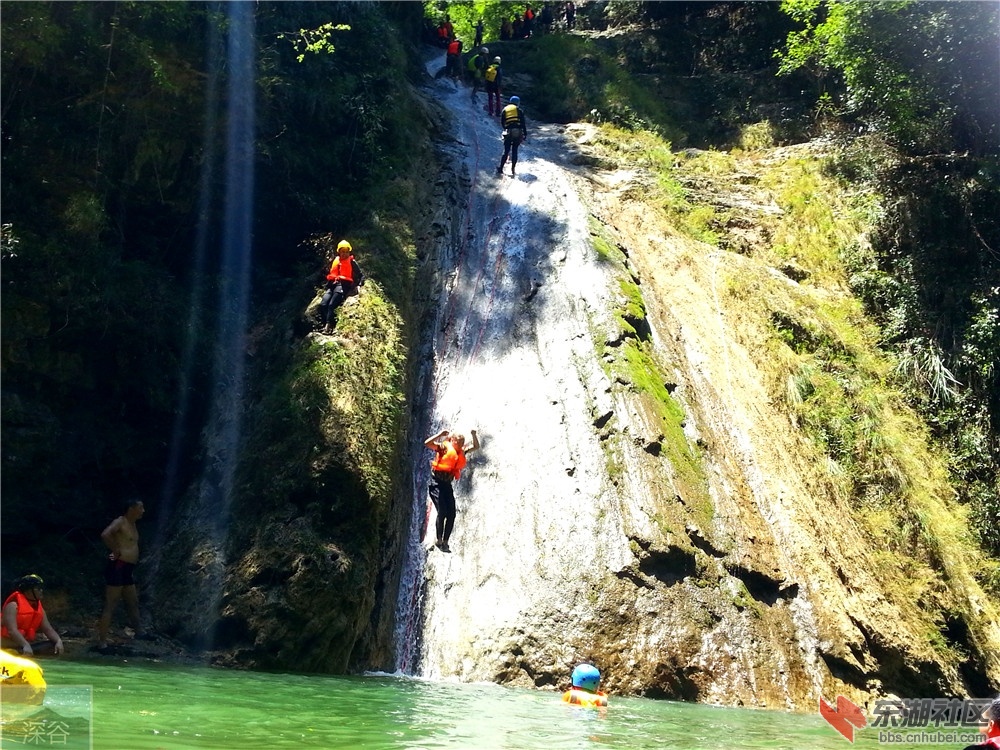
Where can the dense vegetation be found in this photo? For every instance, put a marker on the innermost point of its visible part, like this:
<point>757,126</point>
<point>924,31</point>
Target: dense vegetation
<point>114,184</point>
<point>917,80</point>
<point>907,89</point>
<point>114,136</point>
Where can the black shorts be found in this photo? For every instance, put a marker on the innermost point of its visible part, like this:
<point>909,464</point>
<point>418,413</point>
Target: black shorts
<point>442,495</point>
<point>119,573</point>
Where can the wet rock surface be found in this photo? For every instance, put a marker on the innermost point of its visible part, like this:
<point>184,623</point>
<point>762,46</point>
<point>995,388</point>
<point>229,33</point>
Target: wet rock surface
<point>578,536</point>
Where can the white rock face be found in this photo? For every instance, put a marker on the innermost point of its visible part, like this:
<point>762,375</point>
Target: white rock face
<point>576,539</point>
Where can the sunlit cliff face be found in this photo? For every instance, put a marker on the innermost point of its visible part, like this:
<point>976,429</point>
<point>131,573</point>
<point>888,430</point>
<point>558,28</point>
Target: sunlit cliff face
<point>702,559</point>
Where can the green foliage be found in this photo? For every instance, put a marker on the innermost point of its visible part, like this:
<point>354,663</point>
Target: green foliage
<point>338,409</point>
<point>920,72</point>
<point>465,15</point>
<point>314,41</point>
<point>110,227</point>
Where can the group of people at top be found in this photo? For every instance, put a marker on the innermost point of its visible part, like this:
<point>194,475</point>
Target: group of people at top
<point>518,26</point>
<point>524,25</point>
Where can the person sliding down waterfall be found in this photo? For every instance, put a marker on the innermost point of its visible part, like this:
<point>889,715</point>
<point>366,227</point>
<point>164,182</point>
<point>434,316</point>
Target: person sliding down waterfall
<point>447,465</point>
<point>515,132</point>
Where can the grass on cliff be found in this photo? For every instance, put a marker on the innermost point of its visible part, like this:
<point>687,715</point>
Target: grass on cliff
<point>823,357</point>
<point>631,362</point>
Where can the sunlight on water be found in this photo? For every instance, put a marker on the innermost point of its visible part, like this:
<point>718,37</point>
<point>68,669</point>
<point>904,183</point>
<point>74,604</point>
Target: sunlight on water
<point>140,705</point>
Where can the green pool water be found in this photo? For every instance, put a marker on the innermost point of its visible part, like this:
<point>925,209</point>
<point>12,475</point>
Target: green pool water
<point>142,705</point>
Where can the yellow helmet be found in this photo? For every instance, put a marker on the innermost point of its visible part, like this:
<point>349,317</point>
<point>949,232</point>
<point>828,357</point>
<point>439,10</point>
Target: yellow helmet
<point>345,245</point>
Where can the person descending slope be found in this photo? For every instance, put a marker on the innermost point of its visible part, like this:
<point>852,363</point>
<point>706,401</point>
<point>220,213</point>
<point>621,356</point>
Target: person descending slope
<point>446,466</point>
<point>515,132</point>
<point>453,59</point>
<point>493,77</point>
<point>475,68</point>
<point>586,680</point>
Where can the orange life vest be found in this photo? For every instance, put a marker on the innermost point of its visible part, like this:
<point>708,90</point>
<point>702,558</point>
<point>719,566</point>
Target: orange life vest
<point>449,459</point>
<point>343,270</point>
<point>29,616</point>
<point>583,698</point>
<point>453,48</point>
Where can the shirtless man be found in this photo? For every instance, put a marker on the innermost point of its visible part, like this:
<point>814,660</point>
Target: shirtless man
<point>122,538</point>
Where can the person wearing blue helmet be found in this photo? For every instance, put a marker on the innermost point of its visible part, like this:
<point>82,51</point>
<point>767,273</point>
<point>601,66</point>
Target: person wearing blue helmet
<point>515,132</point>
<point>586,680</point>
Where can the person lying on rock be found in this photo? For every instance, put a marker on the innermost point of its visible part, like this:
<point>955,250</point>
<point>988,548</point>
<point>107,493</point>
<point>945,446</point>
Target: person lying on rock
<point>446,466</point>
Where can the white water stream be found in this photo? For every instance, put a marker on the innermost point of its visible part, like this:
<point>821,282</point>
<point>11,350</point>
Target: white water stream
<point>513,357</point>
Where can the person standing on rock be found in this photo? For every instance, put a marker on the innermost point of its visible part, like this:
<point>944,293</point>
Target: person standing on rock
<point>515,132</point>
<point>446,467</point>
<point>121,537</point>
<point>453,59</point>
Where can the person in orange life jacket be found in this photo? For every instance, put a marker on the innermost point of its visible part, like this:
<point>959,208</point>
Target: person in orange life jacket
<point>453,58</point>
<point>23,616</point>
<point>446,466</point>
<point>515,132</point>
<point>494,79</point>
<point>342,281</point>
<point>586,680</point>
<point>991,729</point>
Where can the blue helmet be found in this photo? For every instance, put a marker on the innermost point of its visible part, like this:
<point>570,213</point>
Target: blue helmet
<point>586,676</point>
<point>515,100</point>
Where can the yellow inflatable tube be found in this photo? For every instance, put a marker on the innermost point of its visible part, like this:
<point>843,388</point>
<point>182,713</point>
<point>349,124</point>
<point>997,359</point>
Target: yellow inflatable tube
<point>21,680</point>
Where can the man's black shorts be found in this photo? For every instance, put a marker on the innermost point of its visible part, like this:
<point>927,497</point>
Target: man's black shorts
<point>119,573</point>
<point>442,495</point>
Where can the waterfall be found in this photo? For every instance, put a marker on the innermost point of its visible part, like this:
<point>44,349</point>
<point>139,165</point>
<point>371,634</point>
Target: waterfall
<point>510,354</point>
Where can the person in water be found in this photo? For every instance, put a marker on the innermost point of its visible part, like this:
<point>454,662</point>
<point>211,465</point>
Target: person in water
<point>991,729</point>
<point>586,680</point>
<point>23,616</point>
<point>121,537</point>
<point>446,467</point>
